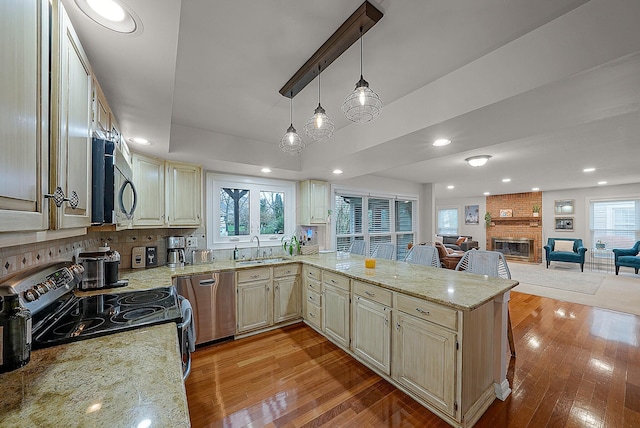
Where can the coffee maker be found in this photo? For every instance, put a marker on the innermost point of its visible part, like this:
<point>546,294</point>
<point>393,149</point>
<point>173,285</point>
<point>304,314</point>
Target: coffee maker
<point>100,269</point>
<point>175,251</point>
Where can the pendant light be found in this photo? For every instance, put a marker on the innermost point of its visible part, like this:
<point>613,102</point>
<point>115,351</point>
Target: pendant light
<point>362,105</point>
<point>319,127</point>
<point>291,142</point>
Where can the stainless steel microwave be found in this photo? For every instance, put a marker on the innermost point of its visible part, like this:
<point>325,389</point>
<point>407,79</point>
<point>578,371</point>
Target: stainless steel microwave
<point>114,197</point>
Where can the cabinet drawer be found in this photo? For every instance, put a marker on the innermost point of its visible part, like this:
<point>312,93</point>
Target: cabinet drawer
<point>314,315</point>
<point>248,275</point>
<point>313,298</point>
<point>372,292</point>
<point>336,280</point>
<point>428,311</point>
<point>286,270</point>
<point>312,285</point>
<point>311,272</point>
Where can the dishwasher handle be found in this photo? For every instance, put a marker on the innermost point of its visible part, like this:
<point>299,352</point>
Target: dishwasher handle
<point>207,282</point>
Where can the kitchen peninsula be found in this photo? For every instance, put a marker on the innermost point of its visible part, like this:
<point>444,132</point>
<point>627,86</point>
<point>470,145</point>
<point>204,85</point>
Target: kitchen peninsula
<point>465,313</point>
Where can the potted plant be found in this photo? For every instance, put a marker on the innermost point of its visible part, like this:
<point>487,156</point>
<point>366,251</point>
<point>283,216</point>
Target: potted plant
<point>536,210</point>
<point>487,220</point>
<point>600,245</point>
<point>291,246</point>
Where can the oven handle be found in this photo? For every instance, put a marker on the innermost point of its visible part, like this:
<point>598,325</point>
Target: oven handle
<point>187,335</point>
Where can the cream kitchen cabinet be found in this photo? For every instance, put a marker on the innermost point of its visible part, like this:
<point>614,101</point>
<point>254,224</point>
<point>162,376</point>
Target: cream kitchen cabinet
<point>312,302</point>
<point>184,194</point>
<point>313,202</point>
<point>336,322</point>
<point>255,310</point>
<point>286,293</point>
<point>71,79</point>
<point>371,340</point>
<point>101,115</point>
<point>148,177</point>
<point>424,357</point>
<point>24,124</point>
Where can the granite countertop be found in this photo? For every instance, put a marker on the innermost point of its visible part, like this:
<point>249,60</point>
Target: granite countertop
<point>458,290</point>
<point>118,380</point>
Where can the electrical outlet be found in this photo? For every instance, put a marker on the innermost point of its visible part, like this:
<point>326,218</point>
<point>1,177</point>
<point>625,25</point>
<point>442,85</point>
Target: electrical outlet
<point>192,241</point>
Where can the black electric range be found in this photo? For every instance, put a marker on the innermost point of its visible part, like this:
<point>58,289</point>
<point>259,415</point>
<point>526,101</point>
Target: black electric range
<point>59,316</point>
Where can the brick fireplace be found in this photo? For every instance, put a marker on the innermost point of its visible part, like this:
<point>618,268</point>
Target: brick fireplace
<point>521,226</point>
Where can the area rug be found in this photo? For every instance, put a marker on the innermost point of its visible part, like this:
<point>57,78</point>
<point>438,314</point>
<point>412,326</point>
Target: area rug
<point>560,276</point>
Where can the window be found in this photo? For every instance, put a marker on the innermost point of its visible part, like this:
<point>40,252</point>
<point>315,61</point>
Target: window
<point>247,206</point>
<point>447,221</point>
<point>387,220</point>
<point>615,222</point>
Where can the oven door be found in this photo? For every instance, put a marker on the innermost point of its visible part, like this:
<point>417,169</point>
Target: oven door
<point>186,336</point>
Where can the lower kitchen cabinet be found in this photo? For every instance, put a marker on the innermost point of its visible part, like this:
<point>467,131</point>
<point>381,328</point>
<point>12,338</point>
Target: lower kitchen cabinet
<point>424,356</point>
<point>254,305</point>
<point>372,333</point>
<point>286,293</point>
<point>335,319</point>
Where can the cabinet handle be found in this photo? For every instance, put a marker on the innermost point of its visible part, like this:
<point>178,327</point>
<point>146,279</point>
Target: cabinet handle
<point>207,282</point>
<point>386,321</point>
<point>312,315</point>
<point>268,288</point>
<point>423,312</point>
<point>370,294</point>
<point>310,285</point>
<point>311,298</point>
<point>334,281</point>
<point>398,326</point>
<point>59,198</point>
<point>254,276</point>
<point>277,287</point>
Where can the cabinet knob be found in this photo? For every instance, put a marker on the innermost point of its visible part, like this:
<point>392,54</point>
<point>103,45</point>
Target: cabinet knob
<point>398,326</point>
<point>422,311</point>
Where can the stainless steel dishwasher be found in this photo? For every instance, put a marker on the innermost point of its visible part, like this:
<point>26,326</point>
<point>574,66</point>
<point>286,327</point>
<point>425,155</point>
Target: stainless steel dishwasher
<point>213,300</point>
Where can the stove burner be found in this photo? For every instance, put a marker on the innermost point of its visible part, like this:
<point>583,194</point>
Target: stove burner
<point>143,297</point>
<point>135,314</point>
<point>76,328</point>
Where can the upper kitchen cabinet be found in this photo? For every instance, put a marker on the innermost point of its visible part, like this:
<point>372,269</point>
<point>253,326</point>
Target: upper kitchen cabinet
<point>148,177</point>
<point>101,115</point>
<point>313,202</point>
<point>24,121</point>
<point>71,86</point>
<point>184,194</point>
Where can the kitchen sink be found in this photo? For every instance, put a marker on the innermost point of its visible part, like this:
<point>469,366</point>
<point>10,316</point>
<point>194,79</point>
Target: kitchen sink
<point>260,261</point>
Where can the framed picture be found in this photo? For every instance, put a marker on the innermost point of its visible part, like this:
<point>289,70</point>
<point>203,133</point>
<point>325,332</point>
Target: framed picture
<point>506,213</point>
<point>563,207</point>
<point>471,214</point>
<point>564,224</point>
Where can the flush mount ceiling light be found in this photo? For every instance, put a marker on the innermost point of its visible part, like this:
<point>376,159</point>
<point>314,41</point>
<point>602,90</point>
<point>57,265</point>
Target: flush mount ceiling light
<point>506,180</point>
<point>266,170</point>
<point>588,170</point>
<point>140,141</point>
<point>337,171</point>
<point>486,193</point>
<point>362,105</point>
<point>477,160</point>
<point>319,127</point>
<point>450,187</point>
<point>291,143</point>
<point>441,142</point>
<point>112,14</point>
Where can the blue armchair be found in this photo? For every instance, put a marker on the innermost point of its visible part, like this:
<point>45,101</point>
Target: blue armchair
<point>575,255</point>
<point>627,257</point>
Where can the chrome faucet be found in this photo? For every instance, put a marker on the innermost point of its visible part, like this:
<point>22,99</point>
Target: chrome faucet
<point>258,250</point>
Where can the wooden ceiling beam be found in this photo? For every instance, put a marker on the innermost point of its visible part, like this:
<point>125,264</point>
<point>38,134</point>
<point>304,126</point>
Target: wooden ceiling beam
<point>365,17</point>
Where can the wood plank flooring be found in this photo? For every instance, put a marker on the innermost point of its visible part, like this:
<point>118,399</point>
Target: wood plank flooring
<point>577,366</point>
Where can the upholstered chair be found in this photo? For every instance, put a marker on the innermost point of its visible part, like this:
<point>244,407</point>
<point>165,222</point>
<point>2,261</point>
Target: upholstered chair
<point>565,250</point>
<point>627,257</point>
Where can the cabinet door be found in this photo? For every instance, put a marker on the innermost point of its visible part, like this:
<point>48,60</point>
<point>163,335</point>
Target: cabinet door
<point>184,197</point>
<point>313,202</point>
<point>148,177</point>
<point>286,299</point>
<point>372,333</point>
<point>336,323</point>
<point>24,123</point>
<point>254,305</point>
<point>101,112</point>
<point>70,123</point>
<point>425,360</point>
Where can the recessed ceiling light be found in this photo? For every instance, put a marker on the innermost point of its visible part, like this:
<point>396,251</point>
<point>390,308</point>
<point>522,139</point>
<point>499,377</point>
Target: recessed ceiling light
<point>588,170</point>
<point>112,14</point>
<point>337,171</point>
<point>441,142</point>
<point>477,160</point>
<point>450,187</point>
<point>486,193</point>
<point>266,170</point>
<point>140,141</point>
<point>535,189</point>
<point>506,180</point>
<point>602,182</point>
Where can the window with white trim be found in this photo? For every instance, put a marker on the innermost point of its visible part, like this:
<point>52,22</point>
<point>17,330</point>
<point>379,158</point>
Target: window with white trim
<point>385,220</point>
<point>448,221</point>
<point>241,207</point>
<point>616,223</point>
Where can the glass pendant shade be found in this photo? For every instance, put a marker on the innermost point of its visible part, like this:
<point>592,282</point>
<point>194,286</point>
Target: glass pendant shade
<point>362,105</point>
<point>319,127</point>
<point>291,143</point>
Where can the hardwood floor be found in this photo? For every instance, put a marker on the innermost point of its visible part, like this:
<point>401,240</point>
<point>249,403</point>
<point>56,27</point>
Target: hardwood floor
<point>577,366</point>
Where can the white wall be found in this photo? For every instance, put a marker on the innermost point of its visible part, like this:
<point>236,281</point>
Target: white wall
<point>478,231</point>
